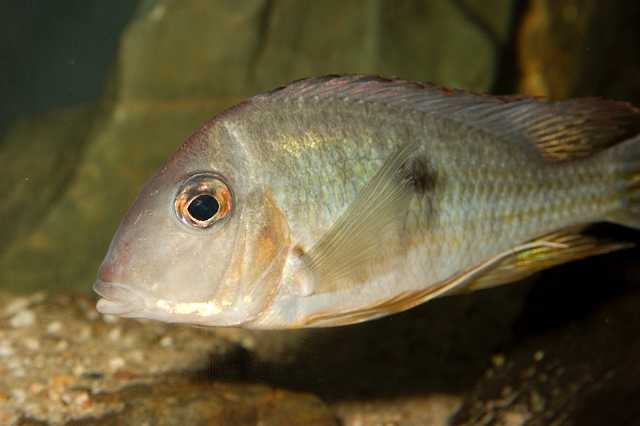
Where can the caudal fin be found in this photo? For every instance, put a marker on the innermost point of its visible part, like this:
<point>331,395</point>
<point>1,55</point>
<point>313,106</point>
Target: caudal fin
<point>626,157</point>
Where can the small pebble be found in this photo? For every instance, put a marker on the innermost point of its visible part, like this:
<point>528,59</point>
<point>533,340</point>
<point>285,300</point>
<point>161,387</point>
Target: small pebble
<point>14,363</point>
<point>24,318</point>
<point>129,340</point>
<point>67,398</point>
<point>40,360</point>
<point>54,395</point>
<point>538,356</point>
<point>36,388</point>
<point>54,327</point>
<point>82,399</point>
<point>111,319</point>
<point>116,363</point>
<point>115,334</point>
<point>6,350</point>
<point>18,372</point>
<point>19,396</point>
<point>79,370</point>
<point>85,333</point>
<point>31,344</point>
<point>166,342</point>
<point>16,306</point>
<point>498,360</point>
<point>137,356</point>
<point>61,380</point>
<point>21,303</point>
<point>62,345</point>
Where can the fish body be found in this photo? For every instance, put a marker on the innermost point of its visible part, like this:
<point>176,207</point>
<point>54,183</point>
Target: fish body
<point>350,198</point>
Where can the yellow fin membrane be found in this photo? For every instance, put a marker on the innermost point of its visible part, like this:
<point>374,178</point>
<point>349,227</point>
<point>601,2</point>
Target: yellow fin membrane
<point>572,246</point>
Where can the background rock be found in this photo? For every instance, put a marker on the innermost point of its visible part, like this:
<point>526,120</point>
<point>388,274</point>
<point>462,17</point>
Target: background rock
<point>580,48</point>
<point>61,362</point>
<point>574,359</point>
<point>39,158</point>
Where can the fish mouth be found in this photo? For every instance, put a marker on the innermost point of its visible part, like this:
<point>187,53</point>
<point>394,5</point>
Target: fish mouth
<point>117,298</point>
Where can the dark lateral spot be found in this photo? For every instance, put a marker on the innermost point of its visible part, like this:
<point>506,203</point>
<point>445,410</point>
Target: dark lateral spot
<point>417,172</point>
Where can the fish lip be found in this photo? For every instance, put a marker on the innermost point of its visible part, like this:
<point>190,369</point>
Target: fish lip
<point>117,298</point>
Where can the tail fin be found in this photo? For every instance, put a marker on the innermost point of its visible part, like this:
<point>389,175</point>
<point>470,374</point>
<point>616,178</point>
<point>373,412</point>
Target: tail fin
<point>626,157</point>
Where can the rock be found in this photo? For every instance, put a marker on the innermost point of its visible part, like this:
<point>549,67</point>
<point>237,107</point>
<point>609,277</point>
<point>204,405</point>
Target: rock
<point>174,401</point>
<point>580,48</point>
<point>39,157</point>
<point>406,411</point>
<point>401,368</point>
<point>478,359</point>
<point>93,378</point>
<point>573,363</point>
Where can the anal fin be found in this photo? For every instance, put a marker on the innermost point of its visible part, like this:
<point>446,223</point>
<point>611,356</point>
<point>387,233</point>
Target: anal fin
<point>573,245</point>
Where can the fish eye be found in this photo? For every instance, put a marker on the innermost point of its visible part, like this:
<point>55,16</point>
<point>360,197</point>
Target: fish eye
<point>203,200</point>
<point>203,207</point>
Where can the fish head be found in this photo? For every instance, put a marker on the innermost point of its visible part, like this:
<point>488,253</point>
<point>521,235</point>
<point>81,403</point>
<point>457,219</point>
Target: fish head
<point>204,243</point>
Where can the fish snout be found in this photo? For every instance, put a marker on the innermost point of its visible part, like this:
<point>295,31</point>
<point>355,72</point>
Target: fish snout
<point>117,298</point>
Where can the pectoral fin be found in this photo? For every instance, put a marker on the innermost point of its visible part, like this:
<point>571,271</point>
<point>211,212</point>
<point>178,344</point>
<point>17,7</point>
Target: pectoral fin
<point>344,255</point>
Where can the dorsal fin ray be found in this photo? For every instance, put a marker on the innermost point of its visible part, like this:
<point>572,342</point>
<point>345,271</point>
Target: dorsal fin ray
<point>560,130</point>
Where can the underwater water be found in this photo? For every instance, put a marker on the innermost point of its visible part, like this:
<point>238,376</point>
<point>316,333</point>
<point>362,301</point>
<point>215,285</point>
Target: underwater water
<point>96,95</point>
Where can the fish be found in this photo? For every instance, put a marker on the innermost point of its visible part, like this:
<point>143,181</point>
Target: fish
<point>340,199</point>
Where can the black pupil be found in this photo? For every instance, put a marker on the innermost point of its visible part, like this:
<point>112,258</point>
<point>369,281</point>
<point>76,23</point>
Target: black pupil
<point>203,207</point>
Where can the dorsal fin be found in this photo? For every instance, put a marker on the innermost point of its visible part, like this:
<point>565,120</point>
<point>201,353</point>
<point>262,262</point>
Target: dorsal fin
<point>561,130</point>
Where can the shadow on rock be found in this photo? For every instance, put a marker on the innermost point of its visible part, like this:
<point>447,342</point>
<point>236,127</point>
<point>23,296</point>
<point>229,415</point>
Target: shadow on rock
<point>442,346</point>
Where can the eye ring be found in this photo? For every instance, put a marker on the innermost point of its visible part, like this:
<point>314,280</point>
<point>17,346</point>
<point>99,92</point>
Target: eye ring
<point>203,200</point>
